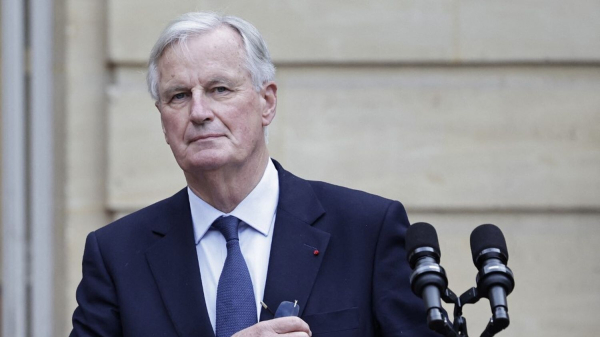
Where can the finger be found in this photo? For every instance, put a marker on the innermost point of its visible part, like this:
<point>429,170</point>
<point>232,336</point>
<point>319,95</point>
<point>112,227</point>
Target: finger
<point>296,334</point>
<point>289,324</point>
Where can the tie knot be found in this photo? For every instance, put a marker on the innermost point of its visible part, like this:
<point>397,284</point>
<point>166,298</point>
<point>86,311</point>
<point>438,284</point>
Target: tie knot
<point>228,226</point>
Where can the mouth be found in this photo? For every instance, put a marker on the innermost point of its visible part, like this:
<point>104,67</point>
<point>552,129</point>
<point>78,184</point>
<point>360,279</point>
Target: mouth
<point>205,137</point>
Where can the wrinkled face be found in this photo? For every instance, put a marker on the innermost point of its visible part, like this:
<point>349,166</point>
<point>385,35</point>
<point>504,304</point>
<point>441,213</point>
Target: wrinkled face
<point>212,116</point>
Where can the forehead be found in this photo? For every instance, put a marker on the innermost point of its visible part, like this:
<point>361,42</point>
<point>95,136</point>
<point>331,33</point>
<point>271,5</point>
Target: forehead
<point>222,46</point>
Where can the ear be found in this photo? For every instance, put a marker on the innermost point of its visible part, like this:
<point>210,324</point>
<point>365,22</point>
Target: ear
<point>269,96</point>
<point>162,124</point>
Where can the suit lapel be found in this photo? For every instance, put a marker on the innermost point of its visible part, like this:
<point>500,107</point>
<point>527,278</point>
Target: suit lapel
<point>174,265</point>
<point>298,248</point>
<point>297,251</point>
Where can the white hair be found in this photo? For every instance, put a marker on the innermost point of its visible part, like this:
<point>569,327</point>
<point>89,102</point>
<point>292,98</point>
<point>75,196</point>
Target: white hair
<point>258,59</point>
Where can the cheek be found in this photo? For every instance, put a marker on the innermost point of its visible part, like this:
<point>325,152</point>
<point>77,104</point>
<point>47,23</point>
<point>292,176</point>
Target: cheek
<point>174,135</point>
<point>249,127</point>
<point>171,123</point>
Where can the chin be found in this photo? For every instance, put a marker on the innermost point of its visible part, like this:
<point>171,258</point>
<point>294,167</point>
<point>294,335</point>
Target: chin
<point>206,161</point>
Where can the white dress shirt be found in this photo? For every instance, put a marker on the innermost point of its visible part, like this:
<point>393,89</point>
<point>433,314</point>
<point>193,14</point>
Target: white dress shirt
<point>257,212</point>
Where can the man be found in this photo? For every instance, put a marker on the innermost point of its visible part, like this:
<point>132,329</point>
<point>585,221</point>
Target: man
<point>244,230</point>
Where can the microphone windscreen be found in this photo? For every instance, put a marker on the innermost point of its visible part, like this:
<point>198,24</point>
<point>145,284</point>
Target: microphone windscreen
<point>487,236</point>
<point>421,234</point>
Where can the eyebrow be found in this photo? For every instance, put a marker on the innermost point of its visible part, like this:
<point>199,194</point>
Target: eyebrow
<point>219,80</point>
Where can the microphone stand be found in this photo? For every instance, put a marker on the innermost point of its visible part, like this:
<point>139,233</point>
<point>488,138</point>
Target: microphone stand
<point>441,323</point>
<point>499,320</point>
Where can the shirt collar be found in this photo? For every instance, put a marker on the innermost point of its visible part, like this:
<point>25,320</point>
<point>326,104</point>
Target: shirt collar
<point>256,210</point>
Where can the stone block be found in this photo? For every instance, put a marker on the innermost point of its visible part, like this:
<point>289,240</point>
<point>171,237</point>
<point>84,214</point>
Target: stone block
<point>466,137</point>
<point>529,31</point>
<point>447,31</point>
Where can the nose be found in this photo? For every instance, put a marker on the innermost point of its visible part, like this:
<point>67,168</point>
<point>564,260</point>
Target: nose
<point>200,108</point>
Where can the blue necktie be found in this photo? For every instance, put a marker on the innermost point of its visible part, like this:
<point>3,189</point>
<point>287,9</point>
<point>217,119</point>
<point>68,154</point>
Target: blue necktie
<point>236,307</point>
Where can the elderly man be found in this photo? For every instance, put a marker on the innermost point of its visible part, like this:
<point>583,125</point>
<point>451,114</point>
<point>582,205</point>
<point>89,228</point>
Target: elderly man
<point>244,231</point>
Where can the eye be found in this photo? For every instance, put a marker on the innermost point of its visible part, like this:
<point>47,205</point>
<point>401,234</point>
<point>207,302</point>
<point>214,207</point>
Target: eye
<point>180,95</point>
<point>220,89</point>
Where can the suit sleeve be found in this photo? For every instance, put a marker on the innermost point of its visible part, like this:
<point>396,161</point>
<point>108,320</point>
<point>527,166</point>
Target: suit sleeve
<point>397,310</point>
<point>97,313</point>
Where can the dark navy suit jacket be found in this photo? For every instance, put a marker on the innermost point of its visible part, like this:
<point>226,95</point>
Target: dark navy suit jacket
<point>141,275</point>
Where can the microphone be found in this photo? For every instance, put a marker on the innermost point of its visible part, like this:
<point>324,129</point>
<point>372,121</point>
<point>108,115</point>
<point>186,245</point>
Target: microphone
<point>428,279</point>
<point>495,280</point>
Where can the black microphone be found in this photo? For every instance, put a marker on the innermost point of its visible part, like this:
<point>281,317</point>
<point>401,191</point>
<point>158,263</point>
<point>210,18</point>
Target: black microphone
<point>428,279</point>
<point>495,280</point>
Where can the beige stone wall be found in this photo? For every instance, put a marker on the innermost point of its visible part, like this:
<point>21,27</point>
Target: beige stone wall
<point>86,80</point>
<point>468,112</point>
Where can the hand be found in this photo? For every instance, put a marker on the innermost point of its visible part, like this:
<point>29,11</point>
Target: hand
<point>284,326</point>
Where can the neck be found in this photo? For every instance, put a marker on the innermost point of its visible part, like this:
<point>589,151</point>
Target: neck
<point>226,187</point>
